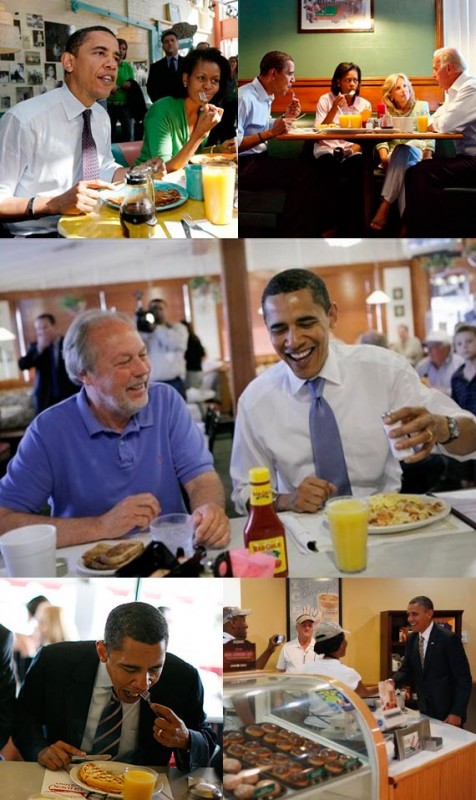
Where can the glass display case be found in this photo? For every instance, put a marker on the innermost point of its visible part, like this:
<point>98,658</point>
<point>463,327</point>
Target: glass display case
<point>303,735</point>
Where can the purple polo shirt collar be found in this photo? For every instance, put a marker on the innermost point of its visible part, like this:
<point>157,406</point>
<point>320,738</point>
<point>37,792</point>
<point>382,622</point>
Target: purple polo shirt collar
<point>142,419</point>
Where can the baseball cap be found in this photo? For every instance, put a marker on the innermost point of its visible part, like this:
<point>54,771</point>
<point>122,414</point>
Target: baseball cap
<point>438,337</point>
<point>304,617</point>
<point>327,630</point>
<point>230,612</point>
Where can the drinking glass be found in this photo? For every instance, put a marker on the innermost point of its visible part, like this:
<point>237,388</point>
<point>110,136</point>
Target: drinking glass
<point>348,521</point>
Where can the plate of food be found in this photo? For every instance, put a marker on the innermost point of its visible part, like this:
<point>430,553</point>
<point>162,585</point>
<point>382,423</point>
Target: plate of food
<point>108,780</point>
<point>167,195</point>
<point>396,513</point>
<point>104,558</point>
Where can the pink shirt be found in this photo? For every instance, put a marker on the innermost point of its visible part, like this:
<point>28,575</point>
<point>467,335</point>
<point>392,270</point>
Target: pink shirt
<point>323,107</point>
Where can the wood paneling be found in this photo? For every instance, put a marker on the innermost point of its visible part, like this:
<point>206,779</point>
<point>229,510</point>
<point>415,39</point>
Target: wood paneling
<point>451,777</point>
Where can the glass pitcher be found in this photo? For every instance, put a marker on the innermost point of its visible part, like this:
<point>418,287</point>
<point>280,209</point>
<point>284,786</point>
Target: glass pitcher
<point>137,211</point>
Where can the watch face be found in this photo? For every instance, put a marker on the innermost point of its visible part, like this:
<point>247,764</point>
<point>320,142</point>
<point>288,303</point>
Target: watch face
<point>453,428</point>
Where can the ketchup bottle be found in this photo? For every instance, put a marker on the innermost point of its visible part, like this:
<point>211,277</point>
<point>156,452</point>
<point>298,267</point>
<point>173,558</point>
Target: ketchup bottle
<point>264,531</point>
<point>381,112</point>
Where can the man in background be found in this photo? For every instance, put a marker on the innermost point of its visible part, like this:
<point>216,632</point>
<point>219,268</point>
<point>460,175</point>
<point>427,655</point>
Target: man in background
<point>72,688</point>
<point>45,356</point>
<point>436,665</point>
<point>299,651</point>
<point>117,105</point>
<point>235,626</point>
<point>164,75</point>
<point>166,345</point>
<point>407,345</point>
<point>439,366</point>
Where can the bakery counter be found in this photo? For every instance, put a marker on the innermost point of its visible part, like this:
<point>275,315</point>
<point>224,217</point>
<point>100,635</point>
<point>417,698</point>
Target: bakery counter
<point>445,774</point>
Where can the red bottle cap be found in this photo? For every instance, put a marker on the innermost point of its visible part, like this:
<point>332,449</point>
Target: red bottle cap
<point>381,109</point>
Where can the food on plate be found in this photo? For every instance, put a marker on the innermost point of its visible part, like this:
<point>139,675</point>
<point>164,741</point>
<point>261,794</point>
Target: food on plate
<point>163,197</point>
<point>222,158</point>
<point>95,776</point>
<point>401,509</point>
<point>105,556</point>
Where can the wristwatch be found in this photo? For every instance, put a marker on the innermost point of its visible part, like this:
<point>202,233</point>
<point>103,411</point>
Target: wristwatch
<point>453,430</point>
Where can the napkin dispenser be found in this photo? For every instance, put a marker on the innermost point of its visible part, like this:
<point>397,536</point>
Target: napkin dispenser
<point>156,556</point>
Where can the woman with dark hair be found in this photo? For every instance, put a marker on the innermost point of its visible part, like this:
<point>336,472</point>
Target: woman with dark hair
<point>175,128</point>
<point>343,98</point>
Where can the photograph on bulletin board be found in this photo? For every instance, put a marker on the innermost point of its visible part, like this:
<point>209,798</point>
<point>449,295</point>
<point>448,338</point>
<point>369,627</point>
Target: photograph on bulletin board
<point>318,597</point>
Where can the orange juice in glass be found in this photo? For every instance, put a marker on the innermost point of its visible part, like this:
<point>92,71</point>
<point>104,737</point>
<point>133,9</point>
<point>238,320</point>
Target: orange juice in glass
<point>218,191</point>
<point>422,123</point>
<point>356,120</point>
<point>366,113</point>
<point>344,121</point>
<point>348,521</point>
<point>139,784</point>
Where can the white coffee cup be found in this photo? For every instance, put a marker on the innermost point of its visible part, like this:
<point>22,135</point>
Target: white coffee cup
<point>30,552</point>
<point>174,530</point>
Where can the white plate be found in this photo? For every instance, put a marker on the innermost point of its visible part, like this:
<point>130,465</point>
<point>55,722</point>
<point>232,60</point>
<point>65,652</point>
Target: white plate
<point>107,195</point>
<point>107,573</point>
<point>341,130</point>
<point>111,766</point>
<point>410,526</point>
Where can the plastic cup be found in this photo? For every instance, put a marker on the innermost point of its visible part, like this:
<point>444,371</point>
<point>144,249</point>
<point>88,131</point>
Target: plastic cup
<point>356,120</point>
<point>251,565</point>
<point>139,784</point>
<point>193,181</point>
<point>348,521</point>
<point>174,530</point>
<point>422,123</point>
<point>30,552</point>
<point>219,190</point>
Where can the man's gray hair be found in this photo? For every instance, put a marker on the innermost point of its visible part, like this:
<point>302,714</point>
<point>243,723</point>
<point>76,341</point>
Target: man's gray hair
<point>79,356</point>
<point>450,55</point>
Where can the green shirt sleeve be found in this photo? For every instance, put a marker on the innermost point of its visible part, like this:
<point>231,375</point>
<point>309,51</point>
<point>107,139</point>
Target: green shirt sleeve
<point>165,130</point>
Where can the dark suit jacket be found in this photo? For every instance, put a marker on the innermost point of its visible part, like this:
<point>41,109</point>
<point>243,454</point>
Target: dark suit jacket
<point>162,82</point>
<point>443,685</point>
<point>54,701</point>
<point>7,685</point>
<point>44,394</point>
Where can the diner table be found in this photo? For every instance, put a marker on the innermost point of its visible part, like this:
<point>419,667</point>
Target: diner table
<point>103,222</point>
<point>367,139</point>
<point>21,779</point>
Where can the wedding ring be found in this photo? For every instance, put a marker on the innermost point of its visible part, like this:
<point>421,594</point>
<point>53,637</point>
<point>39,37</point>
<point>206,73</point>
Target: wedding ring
<point>159,732</point>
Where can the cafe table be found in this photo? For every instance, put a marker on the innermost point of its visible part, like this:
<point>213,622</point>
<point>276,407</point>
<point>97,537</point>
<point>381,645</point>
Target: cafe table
<point>21,779</point>
<point>103,222</point>
<point>367,139</point>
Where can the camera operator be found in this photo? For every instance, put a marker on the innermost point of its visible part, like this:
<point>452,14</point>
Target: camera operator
<point>166,344</point>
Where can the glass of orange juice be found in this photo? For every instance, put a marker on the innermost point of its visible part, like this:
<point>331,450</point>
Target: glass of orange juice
<point>348,521</point>
<point>344,120</point>
<point>218,191</point>
<point>139,783</point>
<point>356,120</point>
<point>422,123</point>
<point>366,113</point>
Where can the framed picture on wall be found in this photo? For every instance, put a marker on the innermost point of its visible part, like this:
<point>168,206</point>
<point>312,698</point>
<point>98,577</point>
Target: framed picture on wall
<point>173,12</point>
<point>319,597</point>
<point>335,16</point>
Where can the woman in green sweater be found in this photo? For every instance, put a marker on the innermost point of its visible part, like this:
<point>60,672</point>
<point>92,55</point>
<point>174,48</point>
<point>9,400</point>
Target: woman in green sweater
<point>175,128</point>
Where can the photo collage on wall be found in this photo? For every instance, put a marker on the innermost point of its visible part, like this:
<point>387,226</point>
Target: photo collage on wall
<point>37,67</point>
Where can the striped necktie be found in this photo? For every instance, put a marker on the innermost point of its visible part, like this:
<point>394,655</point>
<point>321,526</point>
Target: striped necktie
<point>421,649</point>
<point>89,153</point>
<point>108,731</point>
<point>173,64</point>
<point>329,459</point>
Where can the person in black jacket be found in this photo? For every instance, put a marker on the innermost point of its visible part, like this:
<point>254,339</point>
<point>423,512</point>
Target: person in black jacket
<point>69,684</point>
<point>46,356</point>
<point>165,76</point>
<point>7,685</point>
<point>436,665</point>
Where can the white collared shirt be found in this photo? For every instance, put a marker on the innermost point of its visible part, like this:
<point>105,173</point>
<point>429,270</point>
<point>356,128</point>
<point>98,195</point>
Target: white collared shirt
<point>458,113</point>
<point>362,383</point>
<point>254,114</point>
<point>426,636</point>
<point>130,716</point>
<point>323,107</point>
<point>40,146</point>
<point>333,668</point>
<point>294,656</point>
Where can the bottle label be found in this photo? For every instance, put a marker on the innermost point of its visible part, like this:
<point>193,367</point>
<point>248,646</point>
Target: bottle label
<point>261,495</point>
<point>275,546</point>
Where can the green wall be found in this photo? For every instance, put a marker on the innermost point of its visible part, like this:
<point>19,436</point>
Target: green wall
<point>403,39</point>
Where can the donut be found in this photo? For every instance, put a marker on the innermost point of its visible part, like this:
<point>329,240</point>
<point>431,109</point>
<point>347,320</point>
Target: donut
<point>230,782</point>
<point>299,752</point>
<point>233,736</point>
<point>333,769</point>
<point>298,781</point>
<point>231,765</point>
<point>281,758</point>
<point>256,731</point>
<point>268,788</point>
<point>271,738</point>
<point>249,775</point>
<point>329,755</point>
<point>270,727</point>
<point>280,771</point>
<point>286,747</point>
<point>316,761</point>
<point>244,791</point>
<point>237,750</point>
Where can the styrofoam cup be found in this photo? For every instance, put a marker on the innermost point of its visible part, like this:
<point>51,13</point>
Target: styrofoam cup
<point>30,552</point>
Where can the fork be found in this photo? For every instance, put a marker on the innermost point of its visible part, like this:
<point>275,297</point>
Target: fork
<point>192,224</point>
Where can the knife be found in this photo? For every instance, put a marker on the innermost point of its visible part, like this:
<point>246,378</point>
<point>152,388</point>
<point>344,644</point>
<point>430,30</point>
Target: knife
<point>186,228</point>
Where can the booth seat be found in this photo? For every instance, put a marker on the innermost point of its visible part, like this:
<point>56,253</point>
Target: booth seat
<point>125,153</point>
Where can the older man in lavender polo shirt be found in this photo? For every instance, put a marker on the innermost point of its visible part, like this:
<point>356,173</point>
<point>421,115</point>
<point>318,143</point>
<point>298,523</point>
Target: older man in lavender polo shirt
<point>114,456</point>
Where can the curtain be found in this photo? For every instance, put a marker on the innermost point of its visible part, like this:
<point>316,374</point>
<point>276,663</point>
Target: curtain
<point>459,23</point>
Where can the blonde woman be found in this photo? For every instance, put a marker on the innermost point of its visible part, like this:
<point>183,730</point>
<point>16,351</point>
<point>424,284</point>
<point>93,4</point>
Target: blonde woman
<point>397,155</point>
<point>53,625</point>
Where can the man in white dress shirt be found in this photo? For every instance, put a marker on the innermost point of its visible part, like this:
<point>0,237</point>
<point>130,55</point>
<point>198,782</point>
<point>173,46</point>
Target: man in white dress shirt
<point>166,345</point>
<point>299,651</point>
<point>426,214</point>
<point>362,384</point>
<point>41,169</point>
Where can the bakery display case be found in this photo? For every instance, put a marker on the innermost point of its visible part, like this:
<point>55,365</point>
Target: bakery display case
<point>307,736</point>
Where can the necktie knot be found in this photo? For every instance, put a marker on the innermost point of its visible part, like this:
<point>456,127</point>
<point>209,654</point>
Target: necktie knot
<point>316,387</point>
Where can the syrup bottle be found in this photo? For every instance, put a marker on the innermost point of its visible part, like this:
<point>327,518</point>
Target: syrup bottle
<point>264,532</point>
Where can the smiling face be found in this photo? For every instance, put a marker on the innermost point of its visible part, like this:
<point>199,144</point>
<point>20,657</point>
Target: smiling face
<point>205,77</point>
<point>92,72</point>
<point>134,668</point>
<point>299,331</point>
<point>117,385</point>
<point>419,618</point>
<point>400,93</point>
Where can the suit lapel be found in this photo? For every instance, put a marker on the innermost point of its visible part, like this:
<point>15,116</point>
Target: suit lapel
<point>80,689</point>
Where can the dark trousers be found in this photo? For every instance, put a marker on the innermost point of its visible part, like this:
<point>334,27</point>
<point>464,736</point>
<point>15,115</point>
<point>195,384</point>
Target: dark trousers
<point>428,208</point>
<point>309,205</point>
<point>118,113</point>
<point>179,385</point>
